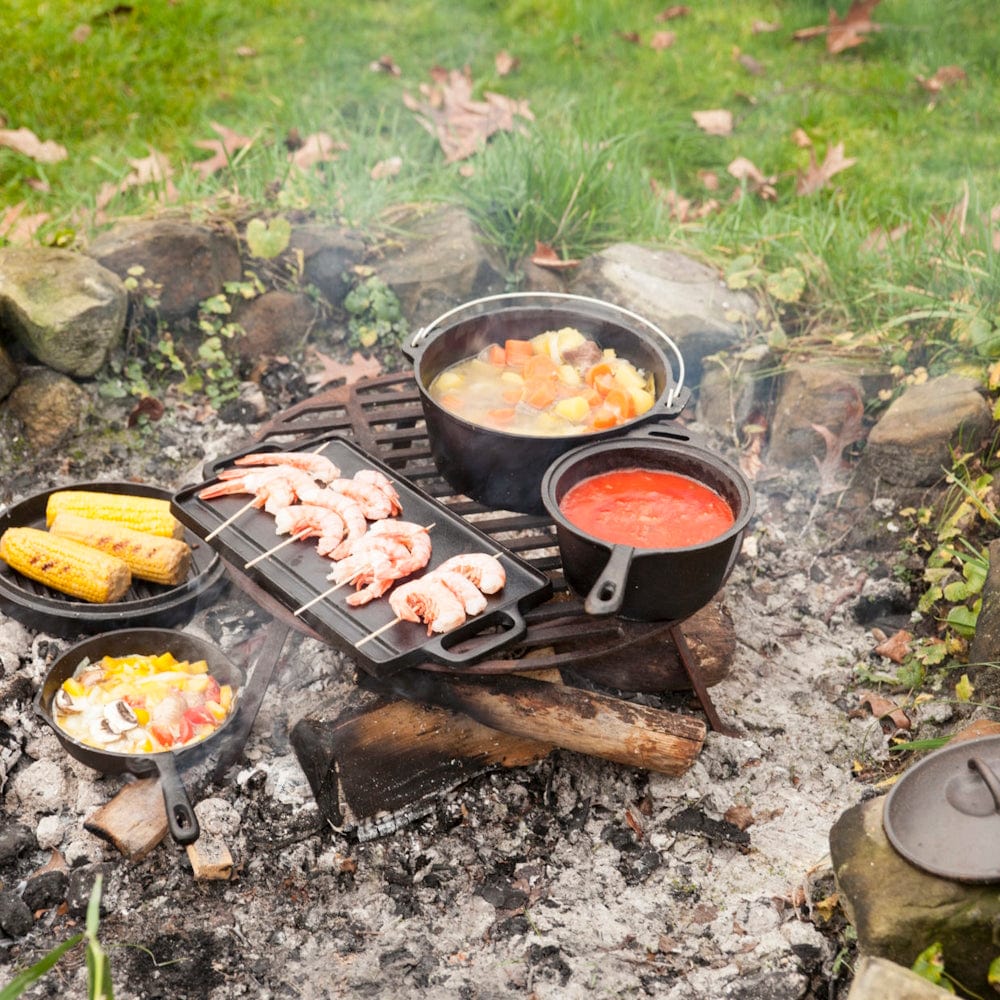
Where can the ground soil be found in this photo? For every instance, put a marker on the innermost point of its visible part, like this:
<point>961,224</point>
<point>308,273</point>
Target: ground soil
<point>571,877</point>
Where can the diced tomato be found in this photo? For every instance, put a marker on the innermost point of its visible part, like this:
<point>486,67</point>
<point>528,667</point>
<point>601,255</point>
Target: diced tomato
<point>200,716</point>
<point>212,689</point>
<point>517,352</point>
<point>163,735</point>
<point>135,700</point>
<point>185,729</point>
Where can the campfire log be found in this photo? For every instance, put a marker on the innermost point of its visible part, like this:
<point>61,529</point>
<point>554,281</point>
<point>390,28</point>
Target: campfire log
<point>134,821</point>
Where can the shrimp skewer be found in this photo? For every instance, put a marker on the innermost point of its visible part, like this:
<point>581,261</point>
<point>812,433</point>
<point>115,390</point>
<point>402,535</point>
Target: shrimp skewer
<point>375,504</point>
<point>305,521</point>
<point>384,484</point>
<point>313,463</point>
<point>416,544</point>
<point>271,491</point>
<point>350,510</point>
<point>485,571</point>
<point>426,600</point>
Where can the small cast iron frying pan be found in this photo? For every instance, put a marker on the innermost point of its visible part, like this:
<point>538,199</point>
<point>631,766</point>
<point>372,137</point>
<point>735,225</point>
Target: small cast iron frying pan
<point>181,818</point>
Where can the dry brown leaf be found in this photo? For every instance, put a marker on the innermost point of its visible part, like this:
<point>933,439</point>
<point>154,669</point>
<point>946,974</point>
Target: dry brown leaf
<point>750,460</point>
<point>461,124</point>
<point>896,647</point>
<point>844,33</point>
<point>385,64</point>
<point>25,142</point>
<point>740,816</point>
<point>545,256</point>
<point>504,63</point>
<point>669,13</point>
<point>331,370</point>
<point>819,174</point>
<point>81,33</point>
<point>18,228</point>
<point>709,179</point>
<point>884,709</point>
<point>718,121</point>
<point>152,169</point>
<point>879,239</point>
<point>832,466</point>
<point>944,77</point>
<point>246,52</point>
<point>801,139</point>
<point>387,168</point>
<point>763,27</point>
<point>632,37</point>
<point>229,142</point>
<point>746,170</point>
<point>662,40</point>
<point>316,148</point>
<point>825,908</point>
<point>751,65</point>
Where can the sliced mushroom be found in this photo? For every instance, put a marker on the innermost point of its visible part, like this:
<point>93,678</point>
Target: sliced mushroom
<point>120,717</point>
<point>102,733</point>
<point>63,703</point>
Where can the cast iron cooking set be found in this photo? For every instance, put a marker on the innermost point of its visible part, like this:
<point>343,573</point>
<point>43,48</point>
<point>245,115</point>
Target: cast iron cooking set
<point>503,471</point>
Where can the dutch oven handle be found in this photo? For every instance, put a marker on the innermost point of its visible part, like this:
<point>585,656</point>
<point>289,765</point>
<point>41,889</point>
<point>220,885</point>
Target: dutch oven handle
<point>608,592</point>
<point>181,818</point>
<point>673,399</point>
<point>439,649</point>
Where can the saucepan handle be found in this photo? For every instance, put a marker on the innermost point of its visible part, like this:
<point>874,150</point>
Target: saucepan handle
<point>608,591</point>
<point>441,650</point>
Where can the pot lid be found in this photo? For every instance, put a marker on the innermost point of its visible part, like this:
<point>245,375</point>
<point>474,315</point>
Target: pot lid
<point>943,815</point>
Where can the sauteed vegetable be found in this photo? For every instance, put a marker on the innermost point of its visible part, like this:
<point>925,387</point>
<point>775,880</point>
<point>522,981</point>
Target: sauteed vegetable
<point>557,383</point>
<point>141,704</point>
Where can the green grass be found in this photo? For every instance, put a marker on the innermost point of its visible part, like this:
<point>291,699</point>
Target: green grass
<point>612,126</point>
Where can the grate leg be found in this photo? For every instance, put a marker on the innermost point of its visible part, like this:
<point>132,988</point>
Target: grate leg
<point>693,670</point>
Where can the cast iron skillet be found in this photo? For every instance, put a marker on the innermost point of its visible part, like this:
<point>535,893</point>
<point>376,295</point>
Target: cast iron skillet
<point>149,641</point>
<point>638,583</point>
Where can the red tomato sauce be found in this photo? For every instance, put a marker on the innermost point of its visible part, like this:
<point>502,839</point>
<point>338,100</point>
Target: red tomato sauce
<point>647,509</point>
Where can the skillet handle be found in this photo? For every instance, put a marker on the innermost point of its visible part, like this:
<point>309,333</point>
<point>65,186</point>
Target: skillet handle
<point>439,649</point>
<point>181,820</point>
<point>607,594</point>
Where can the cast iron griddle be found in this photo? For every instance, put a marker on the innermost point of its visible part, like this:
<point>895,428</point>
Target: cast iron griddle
<point>296,573</point>
<point>144,605</point>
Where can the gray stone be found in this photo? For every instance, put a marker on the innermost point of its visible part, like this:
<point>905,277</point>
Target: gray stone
<point>15,917</point>
<point>45,889</point>
<point>8,372</point>
<point>880,979</point>
<point>733,389</point>
<point>64,308</point>
<point>899,910</point>
<point>445,263</point>
<point>49,406</point>
<point>14,839</point>
<point>39,788</point>
<point>685,299</point>
<point>276,322</point>
<point>911,445</point>
<point>822,394</point>
<point>328,255</point>
<point>182,262</point>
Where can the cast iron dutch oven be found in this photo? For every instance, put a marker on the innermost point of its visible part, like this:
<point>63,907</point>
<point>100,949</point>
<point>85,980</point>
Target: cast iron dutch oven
<point>501,469</point>
<point>149,641</point>
<point>639,583</point>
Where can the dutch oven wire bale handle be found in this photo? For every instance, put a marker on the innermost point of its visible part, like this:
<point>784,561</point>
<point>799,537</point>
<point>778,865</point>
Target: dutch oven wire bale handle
<point>475,306</point>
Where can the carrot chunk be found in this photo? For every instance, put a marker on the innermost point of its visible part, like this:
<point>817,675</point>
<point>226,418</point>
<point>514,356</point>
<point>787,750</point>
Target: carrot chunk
<point>517,352</point>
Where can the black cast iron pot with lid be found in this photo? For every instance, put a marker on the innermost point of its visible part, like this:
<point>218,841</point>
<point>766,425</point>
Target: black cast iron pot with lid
<point>504,470</point>
<point>181,817</point>
<point>642,583</point>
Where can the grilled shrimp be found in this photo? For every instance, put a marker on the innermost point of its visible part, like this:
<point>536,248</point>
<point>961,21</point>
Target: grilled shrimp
<point>473,601</point>
<point>383,483</point>
<point>271,490</point>
<point>485,571</point>
<point>375,504</point>
<point>368,554</point>
<point>309,521</point>
<point>414,536</point>
<point>350,510</point>
<point>429,601</point>
<point>316,465</point>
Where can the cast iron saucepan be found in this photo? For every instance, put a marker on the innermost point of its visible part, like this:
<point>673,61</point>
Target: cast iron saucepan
<point>148,641</point>
<point>639,583</point>
<point>504,470</point>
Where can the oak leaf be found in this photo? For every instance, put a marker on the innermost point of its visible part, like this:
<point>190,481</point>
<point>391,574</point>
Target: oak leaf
<point>844,33</point>
<point>504,63</point>
<point>316,148</point>
<point>152,169</point>
<point>886,711</point>
<point>746,170</point>
<point>25,142</point>
<point>18,228</point>
<point>832,467</point>
<point>669,13</point>
<point>461,124</point>
<point>662,40</point>
<point>333,370</point>
<point>896,647</point>
<point>222,149</point>
<point>718,121</point>
<point>819,174</point>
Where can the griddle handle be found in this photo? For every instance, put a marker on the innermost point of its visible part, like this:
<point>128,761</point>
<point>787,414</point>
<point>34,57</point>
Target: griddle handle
<point>439,649</point>
<point>988,776</point>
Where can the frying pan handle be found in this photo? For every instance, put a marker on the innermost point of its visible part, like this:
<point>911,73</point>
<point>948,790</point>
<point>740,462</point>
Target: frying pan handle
<point>608,592</point>
<point>181,819</point>
<point>440,648</point>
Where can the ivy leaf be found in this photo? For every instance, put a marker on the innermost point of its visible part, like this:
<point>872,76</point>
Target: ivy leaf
<point>268,241</point>
<point>930,964</point>
<point>963,619</point>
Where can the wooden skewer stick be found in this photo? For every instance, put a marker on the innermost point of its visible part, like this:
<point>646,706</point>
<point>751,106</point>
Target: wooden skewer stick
<point>319,597</point>
<point>377,632</point>
<point>298,536</point>
<point>229,520</point>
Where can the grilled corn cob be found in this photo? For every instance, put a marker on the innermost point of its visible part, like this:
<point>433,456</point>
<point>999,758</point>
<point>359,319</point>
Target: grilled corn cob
<point>149,557</point>
<point>150,514</point>
<point>65,565</point>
